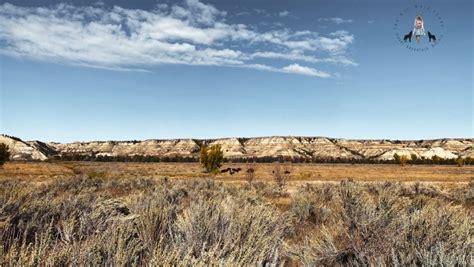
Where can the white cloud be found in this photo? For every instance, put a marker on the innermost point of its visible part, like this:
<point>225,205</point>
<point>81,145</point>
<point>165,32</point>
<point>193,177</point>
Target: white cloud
<point>259,11</point>
<point>310,41</point>
<point>296,68</point>
<point>197,12</point>
<point>193,33</point>
<point>292,69</point>
<point>284,13</point>
<point>337,20</point>
<point>243,13</point>
<point>296,56</point>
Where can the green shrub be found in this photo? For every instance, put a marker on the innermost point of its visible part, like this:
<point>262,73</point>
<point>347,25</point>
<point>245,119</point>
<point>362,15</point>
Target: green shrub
<point>211,158</point>
<point>460,161</point>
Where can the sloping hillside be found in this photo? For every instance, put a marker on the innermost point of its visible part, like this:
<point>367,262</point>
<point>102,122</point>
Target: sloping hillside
<point>20,150</point>
<point>275,146</point>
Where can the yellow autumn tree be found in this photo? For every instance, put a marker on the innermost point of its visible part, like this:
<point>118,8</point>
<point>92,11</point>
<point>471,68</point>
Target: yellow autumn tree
<point>211,158</point>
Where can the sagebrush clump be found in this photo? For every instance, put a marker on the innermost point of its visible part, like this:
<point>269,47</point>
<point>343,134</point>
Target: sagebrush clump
<point>90,221</point>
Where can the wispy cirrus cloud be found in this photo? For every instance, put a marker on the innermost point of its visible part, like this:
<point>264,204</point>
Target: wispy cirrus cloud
<point>192,33</point>
<point>336,20</point>
<point>296,56</point>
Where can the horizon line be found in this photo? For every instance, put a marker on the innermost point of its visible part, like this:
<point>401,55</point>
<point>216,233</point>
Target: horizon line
<point>244,137</point>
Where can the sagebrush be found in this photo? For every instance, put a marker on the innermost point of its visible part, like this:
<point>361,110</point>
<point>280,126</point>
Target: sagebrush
<point>95,221</point>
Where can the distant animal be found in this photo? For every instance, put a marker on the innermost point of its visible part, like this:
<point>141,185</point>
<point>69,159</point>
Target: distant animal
<point>235,170</point>
<point>231,171</point>
<point>407,36</point>
<point>431,37</point>
<point>250,170</point>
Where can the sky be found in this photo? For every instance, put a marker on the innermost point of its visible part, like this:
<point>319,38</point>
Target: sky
<point>132,70</point>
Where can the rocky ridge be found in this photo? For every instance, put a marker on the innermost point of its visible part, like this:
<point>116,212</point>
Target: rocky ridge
<point>274,146</point>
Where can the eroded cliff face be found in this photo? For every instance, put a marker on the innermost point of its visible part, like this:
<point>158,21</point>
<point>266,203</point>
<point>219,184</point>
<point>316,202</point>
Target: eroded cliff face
<point>165,148</point>
<point>275,146</point>
<point>20,150</point>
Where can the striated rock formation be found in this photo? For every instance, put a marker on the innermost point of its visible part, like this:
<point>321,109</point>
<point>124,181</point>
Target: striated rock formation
<point>20,150</point>
<point>182,147</point>
<point>275,146</point>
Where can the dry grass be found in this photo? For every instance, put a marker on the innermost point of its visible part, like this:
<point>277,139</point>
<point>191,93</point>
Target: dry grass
<point>83,220</point>
<point>107,214</point>
<point>381,224</point>
<point>40,172</point>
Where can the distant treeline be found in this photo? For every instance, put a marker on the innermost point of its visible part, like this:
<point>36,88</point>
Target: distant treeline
<point>398,159</point>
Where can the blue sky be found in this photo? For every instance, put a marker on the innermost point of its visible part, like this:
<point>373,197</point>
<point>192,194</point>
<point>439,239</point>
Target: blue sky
<point>81,71</point>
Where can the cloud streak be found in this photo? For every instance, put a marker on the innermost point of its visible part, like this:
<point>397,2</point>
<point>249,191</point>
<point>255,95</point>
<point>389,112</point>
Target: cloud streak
<point>337,20</point>
<point>192,33</point>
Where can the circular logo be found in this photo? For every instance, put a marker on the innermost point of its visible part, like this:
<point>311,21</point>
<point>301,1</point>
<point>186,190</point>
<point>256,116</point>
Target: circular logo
<point>419,28</point>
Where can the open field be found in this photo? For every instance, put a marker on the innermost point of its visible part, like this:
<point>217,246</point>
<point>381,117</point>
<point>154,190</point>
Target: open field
<point>129,214</point>
<point>41,172</point>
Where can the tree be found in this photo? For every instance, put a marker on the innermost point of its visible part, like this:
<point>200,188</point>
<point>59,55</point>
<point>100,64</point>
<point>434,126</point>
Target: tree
<point>460,161</point>
<point>211,158</point>
<point>436,159</point>
<point>4,154</point>
<point>396,157</point>
<point>402,160</point>
<point>203,155</point>
<point>468,161</point>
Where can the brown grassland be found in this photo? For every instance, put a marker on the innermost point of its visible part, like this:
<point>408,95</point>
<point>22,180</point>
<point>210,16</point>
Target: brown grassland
<point>162,214</point>
<point>43,172</point>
